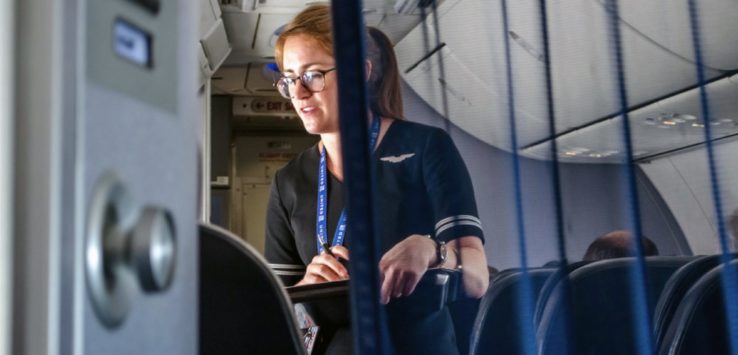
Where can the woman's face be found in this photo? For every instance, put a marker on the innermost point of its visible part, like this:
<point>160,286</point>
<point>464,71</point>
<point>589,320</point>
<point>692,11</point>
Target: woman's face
<point>318,110</point>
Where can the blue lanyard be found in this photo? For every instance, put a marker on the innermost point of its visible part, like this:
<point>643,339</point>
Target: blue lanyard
<point>321,224</point>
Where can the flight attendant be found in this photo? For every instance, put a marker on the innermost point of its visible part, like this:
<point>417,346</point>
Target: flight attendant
<point>427,212</point>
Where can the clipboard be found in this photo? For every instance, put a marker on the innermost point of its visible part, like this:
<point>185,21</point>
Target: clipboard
<point>327,302</point>
<point>445,280</point>
<point>318,292</point>
<point>436,289</point>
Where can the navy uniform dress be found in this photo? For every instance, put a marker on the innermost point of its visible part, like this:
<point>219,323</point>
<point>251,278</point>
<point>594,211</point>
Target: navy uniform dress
<point>423,188</point>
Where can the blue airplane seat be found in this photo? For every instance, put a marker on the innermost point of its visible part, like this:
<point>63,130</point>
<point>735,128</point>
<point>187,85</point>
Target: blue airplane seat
<point>675,289</point>
<point>499,319</point>
<point>549,286</point>
<point>699,324</point>
<point>601,310</point>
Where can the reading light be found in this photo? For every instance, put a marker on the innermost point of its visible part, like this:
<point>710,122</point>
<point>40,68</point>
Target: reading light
<point>608,153</point>
<point>666,120</point>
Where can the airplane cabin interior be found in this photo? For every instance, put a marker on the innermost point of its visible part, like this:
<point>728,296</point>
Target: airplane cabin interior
<point>141,140</point>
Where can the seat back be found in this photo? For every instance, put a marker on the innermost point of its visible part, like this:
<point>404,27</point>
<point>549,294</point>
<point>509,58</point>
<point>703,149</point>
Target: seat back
<point>698,325</point>
<point>601,314</point>
<point>549,286</point>
<point>499,320</point>
<point>675,289</point>
<point>243,307</point>
<point>463,313</point>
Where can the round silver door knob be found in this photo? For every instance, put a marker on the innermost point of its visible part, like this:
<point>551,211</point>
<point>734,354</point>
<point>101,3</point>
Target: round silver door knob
<point>125,246</point>
<point>153,249</point>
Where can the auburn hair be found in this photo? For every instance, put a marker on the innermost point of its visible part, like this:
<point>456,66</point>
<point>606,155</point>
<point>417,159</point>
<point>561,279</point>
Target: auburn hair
<point>385,96</point>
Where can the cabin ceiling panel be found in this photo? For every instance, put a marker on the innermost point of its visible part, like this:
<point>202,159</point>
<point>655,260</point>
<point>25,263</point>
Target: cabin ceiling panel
<point>260,80</point>
<point>254,25</point>
<point>267,33</point>
<point>229,81</point>
<point>254,79</point>
<point>722,96</point>
<point>256,35</point>
<point>667,125</point>
<point>584,68</point>
<point>667,23</point>
<point>283,3</point>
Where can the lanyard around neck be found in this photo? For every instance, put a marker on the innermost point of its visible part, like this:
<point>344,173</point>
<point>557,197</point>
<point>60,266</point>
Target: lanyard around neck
<point>321,224</point>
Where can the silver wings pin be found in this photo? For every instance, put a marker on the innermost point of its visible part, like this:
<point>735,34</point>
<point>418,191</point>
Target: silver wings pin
<point>397,158</point>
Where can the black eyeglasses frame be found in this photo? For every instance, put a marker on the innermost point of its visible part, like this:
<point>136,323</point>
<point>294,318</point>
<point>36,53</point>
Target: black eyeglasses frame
<point>288,81</point>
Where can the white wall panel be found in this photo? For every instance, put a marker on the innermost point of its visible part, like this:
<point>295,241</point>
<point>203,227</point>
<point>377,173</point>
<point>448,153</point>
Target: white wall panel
<point>684,183</point>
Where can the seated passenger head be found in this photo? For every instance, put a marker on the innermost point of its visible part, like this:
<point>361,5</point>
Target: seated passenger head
<point>617,244</point>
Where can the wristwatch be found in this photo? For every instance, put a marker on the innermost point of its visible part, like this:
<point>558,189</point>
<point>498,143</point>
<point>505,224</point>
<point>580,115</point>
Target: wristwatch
<point>441,253</point>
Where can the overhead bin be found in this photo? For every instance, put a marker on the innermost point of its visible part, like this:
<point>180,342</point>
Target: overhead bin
<point>254,79</point>
<point>241,26</point>
<point>461,71</point>
<point>214,45</point>
<point>667,23</point>
<point>472,64</point>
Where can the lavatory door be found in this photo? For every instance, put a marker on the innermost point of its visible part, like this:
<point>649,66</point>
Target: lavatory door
<point>137,177</point>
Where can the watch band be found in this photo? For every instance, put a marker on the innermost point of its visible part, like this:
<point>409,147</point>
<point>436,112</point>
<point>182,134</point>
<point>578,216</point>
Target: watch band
<point>459,265</point>
<point>441,253</point>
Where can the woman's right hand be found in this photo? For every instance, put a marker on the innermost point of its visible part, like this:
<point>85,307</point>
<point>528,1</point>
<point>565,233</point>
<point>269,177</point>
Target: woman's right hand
<point>324,267</point>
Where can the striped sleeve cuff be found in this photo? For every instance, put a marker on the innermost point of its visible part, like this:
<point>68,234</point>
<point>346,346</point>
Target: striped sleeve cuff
<point>288,269</point>
<point>453,227</point>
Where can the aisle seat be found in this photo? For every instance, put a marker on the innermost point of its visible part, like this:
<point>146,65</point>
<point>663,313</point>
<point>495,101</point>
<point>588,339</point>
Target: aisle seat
<point>497,328</point>
<point>243,306</point>
<point>601,313</point>
<point>675,290</point>
<point>550,285</point>
<point>699,324</point>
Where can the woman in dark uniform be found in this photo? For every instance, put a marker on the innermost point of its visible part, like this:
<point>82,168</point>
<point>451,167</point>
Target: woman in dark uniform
<point>428,216</point>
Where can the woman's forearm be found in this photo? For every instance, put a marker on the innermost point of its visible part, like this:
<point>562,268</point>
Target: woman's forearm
<point>474,264</point>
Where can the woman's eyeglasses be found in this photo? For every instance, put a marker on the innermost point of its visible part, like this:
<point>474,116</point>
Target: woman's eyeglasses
<point>313,80</point>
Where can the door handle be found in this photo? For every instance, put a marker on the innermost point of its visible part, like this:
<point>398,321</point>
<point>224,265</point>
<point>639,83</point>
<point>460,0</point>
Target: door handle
<point>153,249</point>
<point>125,246</point>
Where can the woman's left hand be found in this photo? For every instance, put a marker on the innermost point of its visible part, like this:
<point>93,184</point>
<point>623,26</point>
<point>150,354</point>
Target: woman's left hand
<point>402,266</point>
